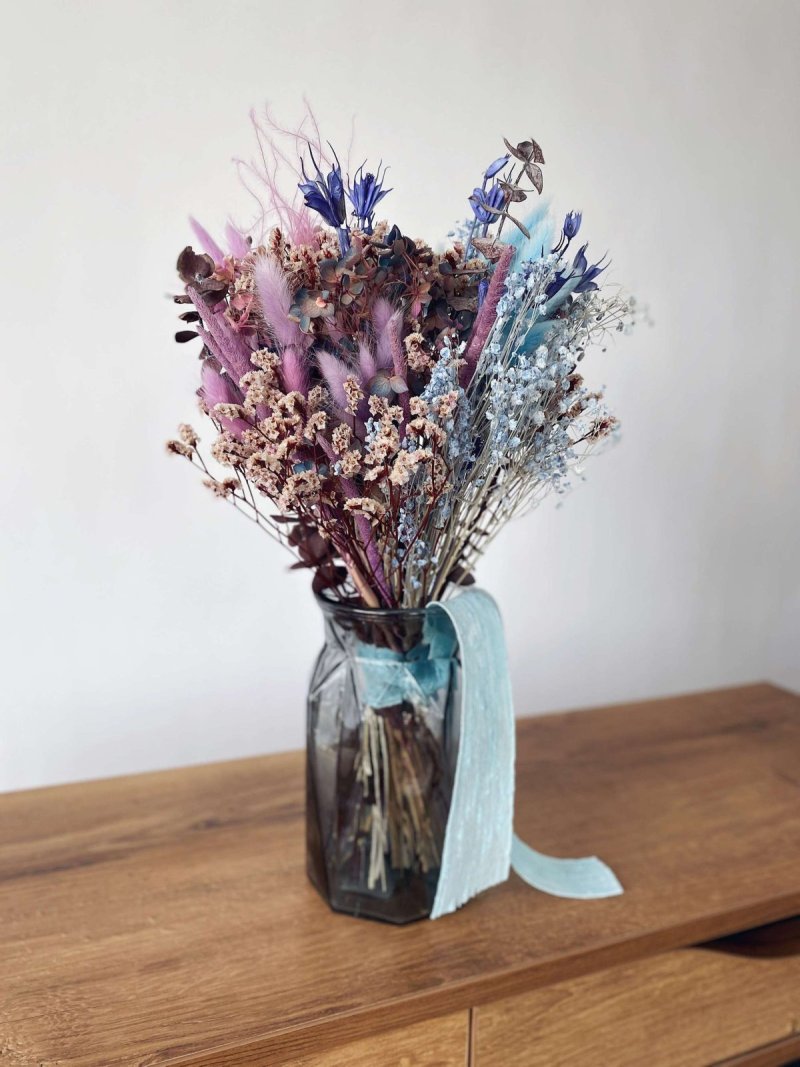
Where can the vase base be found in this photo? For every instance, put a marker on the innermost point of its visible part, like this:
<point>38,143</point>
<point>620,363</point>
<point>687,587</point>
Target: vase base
<point>411,900</point>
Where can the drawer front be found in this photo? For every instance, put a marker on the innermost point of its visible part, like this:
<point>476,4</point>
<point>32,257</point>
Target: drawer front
<point>694,1007</point>
<point>436,1043</point>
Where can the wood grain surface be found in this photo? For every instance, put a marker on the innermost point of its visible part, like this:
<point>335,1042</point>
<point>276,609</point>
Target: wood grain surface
<point>434,1043</point>
<point>166,919</point>
<point>687,1008</point>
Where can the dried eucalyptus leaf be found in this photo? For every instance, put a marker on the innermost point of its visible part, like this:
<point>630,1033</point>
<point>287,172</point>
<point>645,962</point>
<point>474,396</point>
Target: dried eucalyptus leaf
<point>517,223</point>
<point>489,247</point>
<point>513,192</point>
<point>536,155</point>
<point>535,177</point>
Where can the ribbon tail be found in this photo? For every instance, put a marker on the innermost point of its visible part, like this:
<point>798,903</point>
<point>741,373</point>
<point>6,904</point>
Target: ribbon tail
<point>587,878</point>
<point>480,847</point>
<point>477,843</point>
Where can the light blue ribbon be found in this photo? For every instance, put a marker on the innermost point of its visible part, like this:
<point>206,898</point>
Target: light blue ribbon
<point>480,847</point>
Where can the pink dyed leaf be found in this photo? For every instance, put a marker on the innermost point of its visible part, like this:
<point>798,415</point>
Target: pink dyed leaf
<point>237,242</point>
<point>207,242</point>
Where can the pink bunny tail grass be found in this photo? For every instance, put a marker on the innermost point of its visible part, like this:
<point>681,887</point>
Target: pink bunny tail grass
<point>216,389</point>
<point>335,374</point>
<point>207,242</point>
<point>275,300</point>
<point>382,313</point>
<point>398,356</point>
<point>366,363</point>
<point>395,345</point>
<point>229,347</point>
<point>294,370</point>
<point>237,242</point>
<point>386,324</point>
<point>486,316</point>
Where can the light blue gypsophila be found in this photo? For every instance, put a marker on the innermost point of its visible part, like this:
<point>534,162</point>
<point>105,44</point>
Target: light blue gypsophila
<point>526,363</point>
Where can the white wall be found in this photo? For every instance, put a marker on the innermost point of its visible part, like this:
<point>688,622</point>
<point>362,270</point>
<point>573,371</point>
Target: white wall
<point>142,624</point>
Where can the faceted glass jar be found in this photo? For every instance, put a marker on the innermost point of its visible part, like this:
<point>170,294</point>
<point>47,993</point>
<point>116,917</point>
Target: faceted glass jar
<point>381,752</point>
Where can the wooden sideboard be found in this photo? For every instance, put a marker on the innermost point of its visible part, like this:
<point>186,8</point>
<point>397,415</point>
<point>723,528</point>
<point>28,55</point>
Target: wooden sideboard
<point>165,919</point>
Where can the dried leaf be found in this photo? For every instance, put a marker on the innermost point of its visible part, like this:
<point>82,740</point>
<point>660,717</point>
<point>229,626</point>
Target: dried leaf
<point>328,577</point>
<point>534,175</point>
<point>513,192</point>
<point>194,268</point>
<point>459,576</point>
<point>517,223</point>
<point>525,151</point>
<point>489,248</point>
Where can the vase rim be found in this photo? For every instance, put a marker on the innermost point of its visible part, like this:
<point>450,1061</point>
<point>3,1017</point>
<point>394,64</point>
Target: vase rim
<point>330,606</point>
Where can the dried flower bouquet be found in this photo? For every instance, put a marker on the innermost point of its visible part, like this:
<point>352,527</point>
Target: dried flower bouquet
<point>382,409</point>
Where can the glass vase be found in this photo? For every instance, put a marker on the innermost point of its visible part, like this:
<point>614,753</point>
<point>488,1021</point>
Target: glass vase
<point>381,752</point>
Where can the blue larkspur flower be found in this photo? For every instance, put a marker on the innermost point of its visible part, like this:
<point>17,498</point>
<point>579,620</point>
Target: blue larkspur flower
<point>365,193</point>
<point>495,167</point>
<point>486,203</point>
<point>325,195</point>
<point>572,223</point>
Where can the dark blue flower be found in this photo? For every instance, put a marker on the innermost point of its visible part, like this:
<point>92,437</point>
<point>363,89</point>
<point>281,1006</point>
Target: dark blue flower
<point>587,282</point>
<point>325,195</point>
<point>580,279</point>
<point>580,263</point>
<point>495,168</point>
<point>365,193</point>
<point>488,203</point>
<point>572,223</point>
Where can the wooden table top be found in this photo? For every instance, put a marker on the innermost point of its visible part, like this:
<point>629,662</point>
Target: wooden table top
<point>166,919</point>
